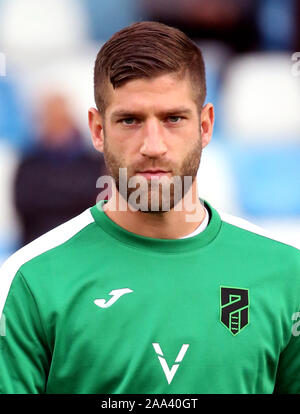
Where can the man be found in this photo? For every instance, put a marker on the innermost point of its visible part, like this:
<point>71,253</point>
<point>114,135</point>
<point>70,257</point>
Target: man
<point>152,291</point>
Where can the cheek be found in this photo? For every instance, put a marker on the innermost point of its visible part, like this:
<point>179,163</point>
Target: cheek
<point>118,141</point>
<point>185,142</point>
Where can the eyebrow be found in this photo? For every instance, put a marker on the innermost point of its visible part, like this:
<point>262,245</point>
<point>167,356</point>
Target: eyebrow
<point>128,114</point>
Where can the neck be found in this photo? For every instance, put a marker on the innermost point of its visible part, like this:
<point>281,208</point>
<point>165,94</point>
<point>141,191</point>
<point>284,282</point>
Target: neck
<point>173,224</point>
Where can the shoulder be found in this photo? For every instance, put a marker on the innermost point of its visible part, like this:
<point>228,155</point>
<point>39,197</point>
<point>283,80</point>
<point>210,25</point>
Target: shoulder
<point>259,236</point>
<point>50,240</point>
<point>49,243</point>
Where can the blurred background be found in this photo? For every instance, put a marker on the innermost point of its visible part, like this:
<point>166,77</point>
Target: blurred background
<point>48,169</point>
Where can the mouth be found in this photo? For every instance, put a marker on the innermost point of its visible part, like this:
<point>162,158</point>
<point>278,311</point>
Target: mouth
<point>153,174</point>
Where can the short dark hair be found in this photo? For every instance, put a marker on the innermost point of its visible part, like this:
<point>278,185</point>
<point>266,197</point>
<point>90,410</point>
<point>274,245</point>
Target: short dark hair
<point>145,50</point>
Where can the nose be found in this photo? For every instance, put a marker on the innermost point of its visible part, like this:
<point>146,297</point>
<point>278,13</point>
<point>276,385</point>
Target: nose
<point>153,145</point>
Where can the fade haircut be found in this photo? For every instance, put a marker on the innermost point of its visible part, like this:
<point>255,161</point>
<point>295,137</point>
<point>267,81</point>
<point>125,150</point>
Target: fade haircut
<point>147,50</point>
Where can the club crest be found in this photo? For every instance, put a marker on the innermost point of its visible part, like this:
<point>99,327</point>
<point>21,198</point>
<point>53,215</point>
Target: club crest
<point>234,308</point>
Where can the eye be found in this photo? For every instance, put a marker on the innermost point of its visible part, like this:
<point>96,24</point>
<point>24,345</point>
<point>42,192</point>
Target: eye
<point>128,121</point>
<point>173,119</point>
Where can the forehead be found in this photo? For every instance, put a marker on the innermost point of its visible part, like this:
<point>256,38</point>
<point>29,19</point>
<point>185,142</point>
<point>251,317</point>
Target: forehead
<point>152,93</point>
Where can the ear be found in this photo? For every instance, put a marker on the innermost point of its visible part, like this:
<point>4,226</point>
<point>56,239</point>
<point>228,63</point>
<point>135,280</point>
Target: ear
<point>96,128</point>
<point>207,123</point>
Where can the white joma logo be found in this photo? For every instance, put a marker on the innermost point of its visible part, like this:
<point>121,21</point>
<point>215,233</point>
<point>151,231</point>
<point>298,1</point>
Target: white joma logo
<point>170,372</point>
<point>116,294</point>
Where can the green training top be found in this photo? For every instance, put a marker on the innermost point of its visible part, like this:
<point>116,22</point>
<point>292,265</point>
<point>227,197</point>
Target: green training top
<point>92,308</point>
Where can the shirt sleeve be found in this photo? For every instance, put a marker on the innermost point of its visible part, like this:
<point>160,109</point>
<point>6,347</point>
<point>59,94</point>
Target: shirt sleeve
<point>24,354</point>
<point>288,371</point>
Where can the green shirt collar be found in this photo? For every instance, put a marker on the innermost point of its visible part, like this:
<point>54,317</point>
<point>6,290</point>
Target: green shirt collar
<point>161,245</point>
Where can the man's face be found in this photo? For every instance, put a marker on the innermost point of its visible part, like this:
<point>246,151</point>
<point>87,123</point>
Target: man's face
<point>152,128</point>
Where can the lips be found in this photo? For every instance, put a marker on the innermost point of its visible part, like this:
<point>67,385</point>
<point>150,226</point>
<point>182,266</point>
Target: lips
<point>149,174</point>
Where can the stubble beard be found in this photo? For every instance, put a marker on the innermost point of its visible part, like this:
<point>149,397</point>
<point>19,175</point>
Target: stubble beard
<point>156,194</point>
